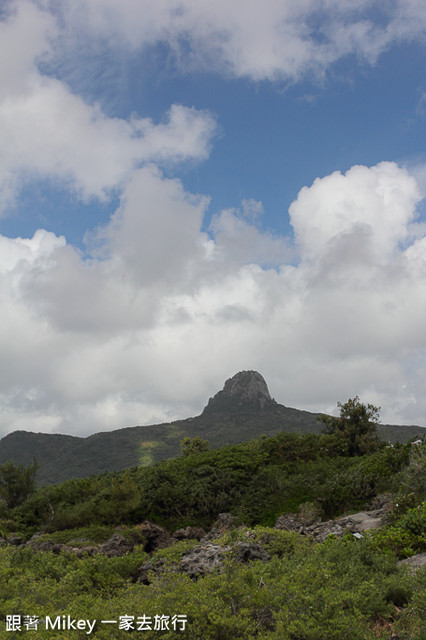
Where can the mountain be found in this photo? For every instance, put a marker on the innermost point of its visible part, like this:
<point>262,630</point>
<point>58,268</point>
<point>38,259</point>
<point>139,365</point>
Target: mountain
<point>246,390</point>
<point>242,410</point>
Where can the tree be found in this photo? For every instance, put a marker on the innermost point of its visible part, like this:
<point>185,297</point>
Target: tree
<point>193,445</point>
<point>17,483</point>
<point>354,432</point>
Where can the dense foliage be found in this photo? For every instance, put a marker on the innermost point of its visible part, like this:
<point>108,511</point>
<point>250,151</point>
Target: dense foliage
<point>354,432</point>
<point>343,589</point>
<point>17,482</point>
<point>257,481</point>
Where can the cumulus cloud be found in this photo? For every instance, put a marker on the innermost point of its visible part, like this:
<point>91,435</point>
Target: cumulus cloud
<point>146,322</point>
<point>24,39</point>
<point>367,209</point>
<point>238,241</point>
<point>47,131</point>
<point>50,132</point>
<point>150,323</point>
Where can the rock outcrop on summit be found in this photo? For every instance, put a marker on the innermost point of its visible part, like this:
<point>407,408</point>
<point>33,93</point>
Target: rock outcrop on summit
<point>245,388</point>
<point>241,411</point>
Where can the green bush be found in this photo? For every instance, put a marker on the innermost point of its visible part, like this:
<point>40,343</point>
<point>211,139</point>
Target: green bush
<point>405,537</point>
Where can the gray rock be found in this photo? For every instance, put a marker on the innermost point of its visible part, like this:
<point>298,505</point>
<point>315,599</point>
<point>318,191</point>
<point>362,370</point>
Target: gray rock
<point>212,534</point>
<point>290,522</point>
<point>116,546</point>
<point>43,545</point>
<point>208,556</point>
<point>225,522</point>
<point>156,537</point>
<point>245,388</point>
<point>203,559</point>
<point>143,573</point>
<point>248,551</point>
<point>356,523</point>
<point>415,562</point>
<point>189,533</point>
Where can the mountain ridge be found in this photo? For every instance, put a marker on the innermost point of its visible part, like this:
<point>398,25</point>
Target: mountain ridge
<point>242,410</point>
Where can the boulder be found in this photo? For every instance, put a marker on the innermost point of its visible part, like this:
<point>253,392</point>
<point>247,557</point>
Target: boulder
<point>248,551</point>
<point>209,556</point>
<point>203,559</point>
<point>156,537</point>
<point>117,545</point>
<point>45,545</point>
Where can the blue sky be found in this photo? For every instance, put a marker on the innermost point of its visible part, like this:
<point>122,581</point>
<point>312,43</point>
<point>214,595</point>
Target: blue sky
<point>189,189</point>
<point>272,139</point>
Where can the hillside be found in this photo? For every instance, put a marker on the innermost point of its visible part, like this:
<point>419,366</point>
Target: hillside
<point>242,410</point>
<point>279,538</point>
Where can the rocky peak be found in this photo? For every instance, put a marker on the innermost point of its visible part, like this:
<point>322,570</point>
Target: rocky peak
<point>246,388</point>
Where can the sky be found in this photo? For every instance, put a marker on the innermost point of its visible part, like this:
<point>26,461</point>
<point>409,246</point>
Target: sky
<point>191,188</point>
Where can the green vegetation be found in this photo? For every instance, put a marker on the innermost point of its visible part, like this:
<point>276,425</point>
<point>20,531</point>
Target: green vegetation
<point>342,589</point>
<point>354,432</point>
<point>17,482</point>
<point>146,453</point>
<point>63,457</point>
<point>190,446</point>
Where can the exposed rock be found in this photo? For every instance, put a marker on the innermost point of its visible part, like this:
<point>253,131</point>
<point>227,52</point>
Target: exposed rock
<point>14,539</point>
<point>189,533</point>
<point>37,544</point>
<point>290,522</point>
<point>202,560</point>
<point>245,388</point>
<point>321,531</point>
<point>383,502</point>
<point>225,522</point>
<point>415,562</point>
<point>212,535</point>
<point>44,545</point>
<point>156,537</point>
<point>356,523</point>
<point>208,557</point>
<point>362,521</point>
<point>143,572</point>
<point>116,546</point>
<point>248,551</point>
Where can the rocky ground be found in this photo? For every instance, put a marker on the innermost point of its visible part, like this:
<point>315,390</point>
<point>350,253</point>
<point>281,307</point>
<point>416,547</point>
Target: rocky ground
<point>208,554</point>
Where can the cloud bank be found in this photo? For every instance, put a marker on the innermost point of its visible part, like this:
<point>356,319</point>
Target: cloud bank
<point>151,322</point>
<point>156,312</point>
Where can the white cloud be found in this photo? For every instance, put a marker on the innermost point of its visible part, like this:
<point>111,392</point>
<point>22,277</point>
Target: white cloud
<point>47,131</point>
<point>157,314</point>
<point>268,39</point>
<point>238,241</point>
<point>148,328</point>
<point>24,39</point>
<point>51,132</point>
<point>367,209</point>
